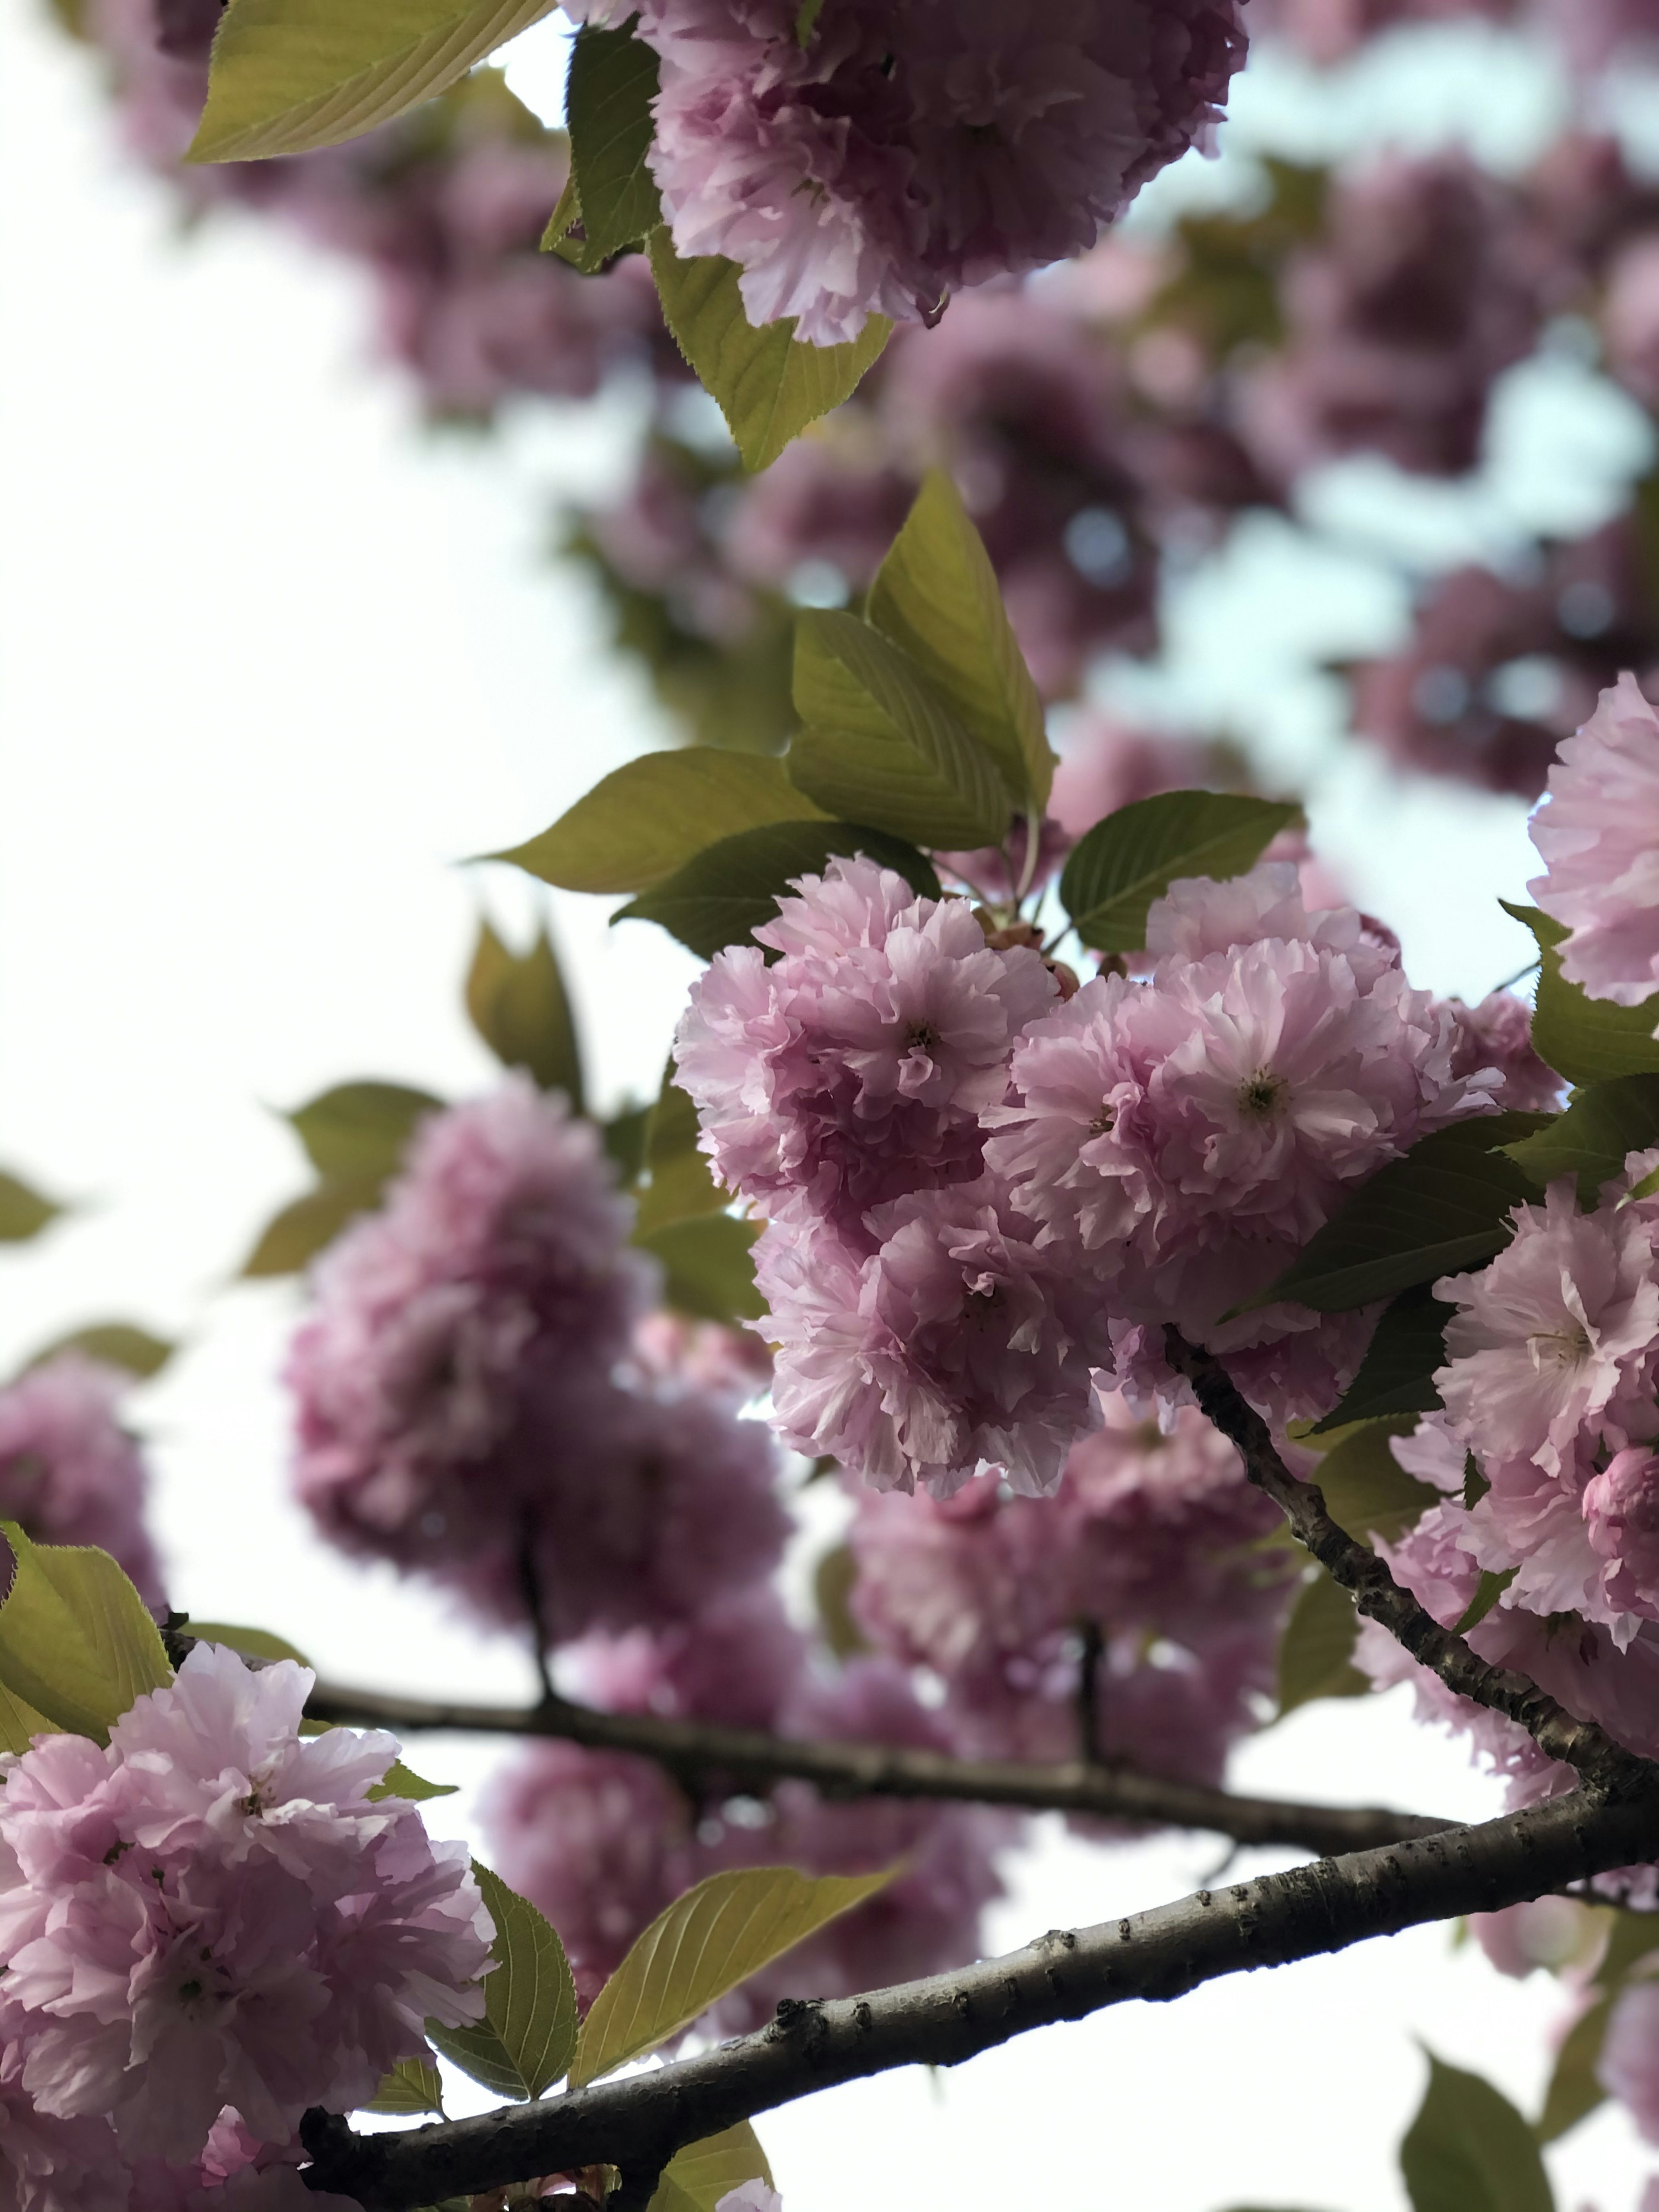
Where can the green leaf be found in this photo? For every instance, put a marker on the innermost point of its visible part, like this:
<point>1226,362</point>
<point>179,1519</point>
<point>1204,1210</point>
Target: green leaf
<point>1367,1491</point>
<point>768,387</point>
<point>608,96</point>
<point>360,1129</point>
<point>1488,1590</point>
<point>301,1230</point>
<point>1601,1123</point>
<point>117,1343</point>
<point>646,819</point>
<point>255,1643</point>
<point>23,1213</point>
<point>678,1185</point>
<point>708,1267</point>
<point>76,1641</point>
<point>833,1582</point>
<point>1444,1205</point>
<point>1315,1653</point>
<point>289,75</point>
<point>1574,2092</point>
<point>881,745</point>
<point>705,1944</point>
<point>624,1137</point>
<point>19,1724</point>
<point>1469,2150</point>
<point>806,20</point>
<point>1397,1374</point>
<point>720,897</point>
<point>936,596</point>
<point>412,2086</point>
<point>527,2037</point>
<point>703,2172</point>
<point>1125,862</point>
<point>400,1781</point>
<point>1586,1040</point>
<point>518,1004</point>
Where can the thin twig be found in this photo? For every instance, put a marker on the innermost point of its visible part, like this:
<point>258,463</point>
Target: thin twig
<point>644,2118</point>
<point>698,1753</point>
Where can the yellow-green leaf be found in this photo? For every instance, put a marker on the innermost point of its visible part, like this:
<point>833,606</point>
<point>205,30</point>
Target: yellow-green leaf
<point>360,1129</point>
<point>301,1229</point>
<point>1131,857</point>
<point>76,1641</point>
<point>678,1185</point>
<point>401,1781</point>
<point>252,1643</point>
<point>709,1272</point>
<point>117,1343</point>
<point>646,819</point>
<point>936,595</point>
<point>1586,1040</point>
<point>518,1004</point>
<point>883,746</point>
<point>288,76</point>
<point>1469,2150</point>
<point>525,2040</point>
<point>1365,1489</point>
<point>608,96</point>
<point>1315,1653</point>
<point>23,1213</point>
<point>704,1945</point>
<point>769,387</point>
<point>412,2085</point>
<point>19,1724</point>
<point>703,2172</point>
<point>1574,2091</point>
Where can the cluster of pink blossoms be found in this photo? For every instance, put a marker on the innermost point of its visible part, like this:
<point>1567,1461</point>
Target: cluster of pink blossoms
<point>1599,837</point>
<point>1150,1540</point>
<point>471,1403</point>
<point>209,1927</point>
<point>981,1199</point>
<point>905,148</point>
<point>70,1473</point>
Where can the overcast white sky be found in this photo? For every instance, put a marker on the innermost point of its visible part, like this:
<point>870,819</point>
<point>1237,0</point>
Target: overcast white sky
<point>272,660</point>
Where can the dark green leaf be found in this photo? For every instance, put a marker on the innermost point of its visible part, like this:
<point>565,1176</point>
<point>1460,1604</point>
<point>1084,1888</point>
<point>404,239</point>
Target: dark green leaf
<point>625,1136</point>
<point>643,821</point>
<point>76,1642</point>
<point>1445,1205</point>
<point>708,1267</point>
<point>881,745</point>
<point>704,2173</point>
<point>412,2086</point>
<point>1125,862</point>
<point>678,1185</point>
<point>301,1230</point>
<point>518,1005</point>
<point>1315,1653</point>
<point>1601,1123</point>
<point>718,898</point>
<point>768,387</point>
<point>289,75</point>
<point>1365,1489</point>
<point>608,96</point>
<point>360,1129</point>
<point>1488,1590</point>
<point>1574,2092</point>
<point>1397,1374</point>
<point>23,1213</point>
<point>117,1343</point>
<point>936,595</point>
<point>527,2037</point>
<point>1469,2150</point>
<point>1586,1040</point>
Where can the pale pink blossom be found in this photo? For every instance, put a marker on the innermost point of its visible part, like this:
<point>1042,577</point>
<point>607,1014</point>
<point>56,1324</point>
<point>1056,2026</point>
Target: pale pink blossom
<point>49,2164</point>
<point>1555,1933</point>
<point>1628,2068</point>
<point>1552,1340</point>
<point>959,1344</point>
<point>1621,1514</point>
<point>753,2197</point>
<point>903,152</point>
<point>1598,834</point>
<point>70,1473</point>
<point>854,1069</point>
<point>212,1912</point>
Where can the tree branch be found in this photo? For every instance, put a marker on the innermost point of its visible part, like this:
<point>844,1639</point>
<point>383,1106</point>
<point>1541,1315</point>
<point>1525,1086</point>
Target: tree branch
<point>639,2121</point>
<point>694,1752</point>
<point>1578,1743</point>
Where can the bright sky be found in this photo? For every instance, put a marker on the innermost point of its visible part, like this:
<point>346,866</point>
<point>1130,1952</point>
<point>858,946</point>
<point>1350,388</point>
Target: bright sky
<point>273,661</point>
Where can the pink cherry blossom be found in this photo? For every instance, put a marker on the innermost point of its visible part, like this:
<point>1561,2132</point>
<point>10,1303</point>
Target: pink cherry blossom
<point>1628,2068</point>
<point>211,1912</point>
<point>1621,1513</point>
<point>901,153</point>
<point>1553,1932</point>
<point>753,2197</point>
<point>1553,1338</point>
<point>959,1343</point>
<point>1497,1034</point>
<point>70,1473</point>
<point>854,1069</point>
<point>1598,834</point>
